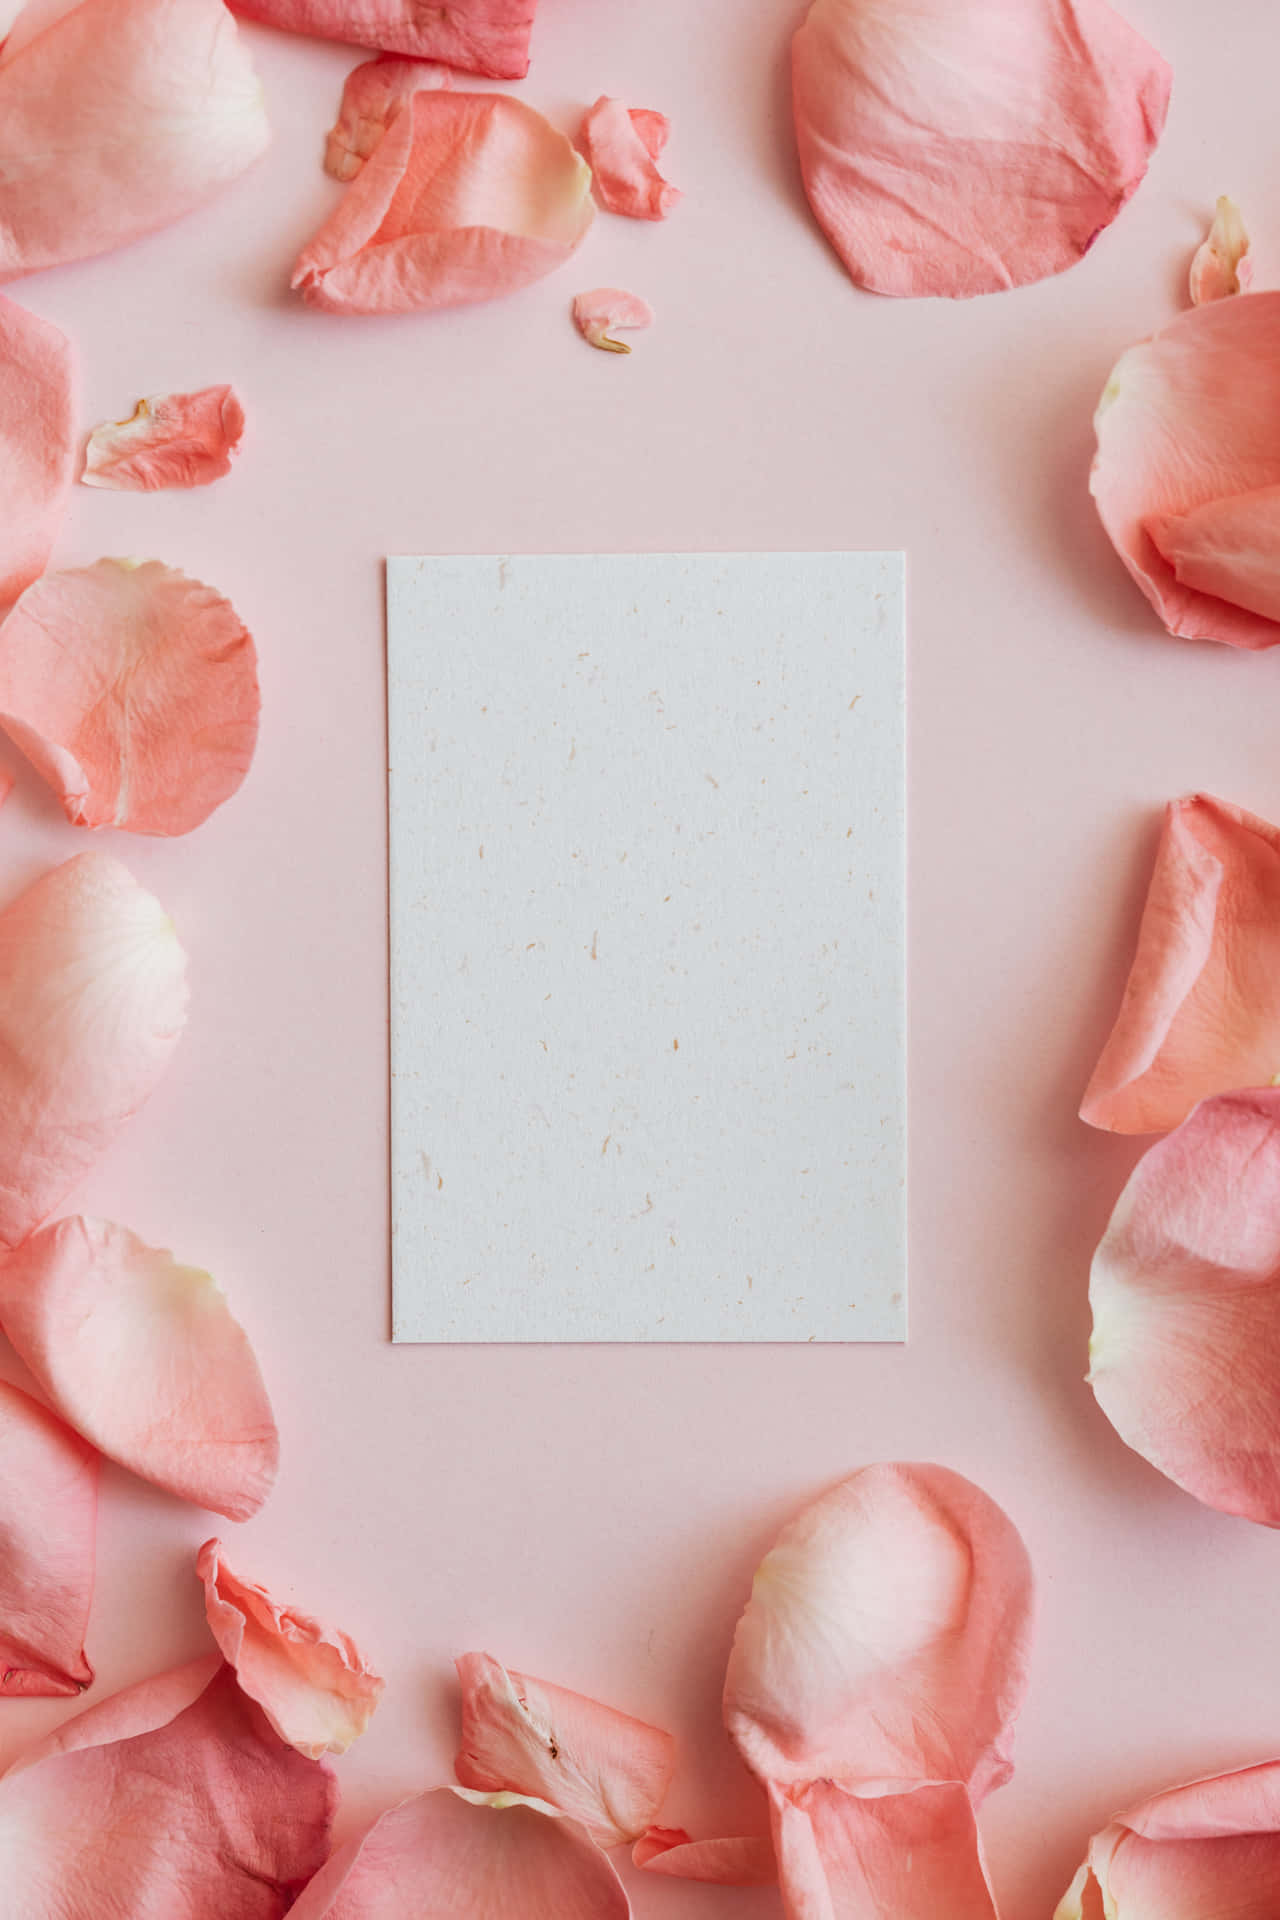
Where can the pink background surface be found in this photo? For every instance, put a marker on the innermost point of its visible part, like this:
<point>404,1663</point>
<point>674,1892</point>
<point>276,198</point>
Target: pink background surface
<point>593,1515</point>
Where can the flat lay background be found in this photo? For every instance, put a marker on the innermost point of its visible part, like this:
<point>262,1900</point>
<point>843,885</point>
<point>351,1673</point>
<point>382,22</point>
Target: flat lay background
<point>593,1514</point>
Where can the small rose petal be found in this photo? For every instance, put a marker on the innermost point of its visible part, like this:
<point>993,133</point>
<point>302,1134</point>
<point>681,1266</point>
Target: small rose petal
<point>93,999</point>
<point>468,196</point>
<point>312,1682</point>
<point>480,36</point>
<point>623,145</point>
<point>1223,264</point>
<point>371,98</point>
<point>37,443</point>
<point>48,1519</point>
<point>142,1357</point>
<point>956,147</point>
<point>471,1856</point>
<point>596,314</point>
<point>1226,548</point>
<point>170,440</point>
<point>133,691</point>
<point>746,1862</point>
<point>1201,1009</point>
<point>903,1856</point>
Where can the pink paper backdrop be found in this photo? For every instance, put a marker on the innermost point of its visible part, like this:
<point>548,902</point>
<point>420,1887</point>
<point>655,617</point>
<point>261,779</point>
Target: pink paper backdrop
<point>594,1514</point>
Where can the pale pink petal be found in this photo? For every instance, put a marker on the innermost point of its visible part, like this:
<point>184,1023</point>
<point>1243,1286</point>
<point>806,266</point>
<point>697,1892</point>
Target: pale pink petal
<point>170,440</point>
<point>622,145</point>
<point>1190,421</point>
<point>905,1856</point>
<point>1223,264</point>
<point>116,117</point>
<point>37,443</point>
<point>142,1357</point>
<point>466,197</point>
<point>594,1764</point>
<point>172,1801</point>
<point>742,1862</point>
<point>312,1682</point>
<point>371,98</point>
<point>598,313</point>
<point>133,691</point>
<point>470,1856</point>
<point>956,147</point>
<point>48,1519</point>
<point>480,36</point>
<point>93,999</point>
<point>1201,1009</point>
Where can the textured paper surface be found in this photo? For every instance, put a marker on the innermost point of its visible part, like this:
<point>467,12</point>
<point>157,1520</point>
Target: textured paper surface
<point>647,848</point>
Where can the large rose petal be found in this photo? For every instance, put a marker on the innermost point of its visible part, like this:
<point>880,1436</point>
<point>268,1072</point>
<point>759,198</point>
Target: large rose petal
<point>93,999</point>
<point>371,98</point>
<point>905,1856</point>
<point>312,1682</point>
<point>1201,1009</point>
<point>170,440</point>
<point>1223,264</point>
<point>480,36</point>
<point>740,1862</point>
<point>116,117</point>
<point>597,314</point>
<point>142,1357</point>
<point>133,691</point>
<point>37,443</point>
<point>467,196</point>
<point>623,145</point>
<point>48,1519</point>
<point>956,147</point>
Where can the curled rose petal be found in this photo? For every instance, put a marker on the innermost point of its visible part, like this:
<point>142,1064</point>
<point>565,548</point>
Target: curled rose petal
<point>142,1357</point>
<point>1201,1009</point>
<point>595,314</point>
<point>468,196</point>
<point>744,1862</point>
<point>469,1855</point>
<point>901,1856</point>
<point>93,999</point>
<point>116,117</point>
<point>174,1797</point>
<point>37,442</point>
<point>1223,264</point>
<point>592,1763</point>
<point>170,440</point>
<point>371,98</point>
<point>48,1519</point>
<point>312,1682</point>
<point>1187,466</point>
<point>133,691</point>
<point>956,147</point>
<point>623,145</point>
<point>480,36</point>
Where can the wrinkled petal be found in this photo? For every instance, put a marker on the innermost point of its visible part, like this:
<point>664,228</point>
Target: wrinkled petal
<point>467,196</point>
<point>956,147</point>
<point>598,313</point>
<point>623,145</point>
<point>480,36</point>
<point>1223,264</point>
<point>48,1519</point>
<point>37,443</point>
<point>594,1764</point>
<point>371,98</point>
<point>1190,420</point>
<point>312,1682</point>
<point>905,1856</point>
<point>472,1857</point>
<point>93,1000</point>
<point>170,440</point>
<point>172,1799</point>
<point>142,1357</point>
<point>744,1862</point>
<point>116,118</point>
<point>133,691</point>
<point>1201,1008</point>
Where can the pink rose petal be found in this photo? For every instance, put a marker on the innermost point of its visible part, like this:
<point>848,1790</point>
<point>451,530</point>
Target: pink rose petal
<point>173,1800</point>
<point>1223,264</point>
<point>48,1519</point>
<point>467,197</point>
<point>133,691</point>
<point>598,313</point>
<point>623,145</point>
<point>1201,1010</point>
<point>93,999</point>
<point>470,1856</point>
<point>116,117</point>
<point>312,1682</point>
<point>371,98</point>
<point>37,442</point>
<point>956,147</point>
<point>745,1862</point>
<point>902,1856</point>
<point>142,1357</point>
<point>480,36</point>
<point>1226,548</point>
<point>170,440</point>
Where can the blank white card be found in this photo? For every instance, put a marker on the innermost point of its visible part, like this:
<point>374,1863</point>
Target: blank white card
<point>647,953</point>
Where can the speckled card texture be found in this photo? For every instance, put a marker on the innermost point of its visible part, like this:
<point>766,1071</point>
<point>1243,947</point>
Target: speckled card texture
<point>647,947</point>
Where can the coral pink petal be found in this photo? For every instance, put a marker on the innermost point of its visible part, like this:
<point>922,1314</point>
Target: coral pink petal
<point>1228,548</point>
<point>594,1764</point>
<point>93,999</point>
<point>133,691</point>
<point>622,145</point>
<point>48,1519</point>
<point>173,1799</point>
<point>1185,1291</point>
<point>116,117</point>
<point>956,147</point>
<point>1223,264</point>
<point>171,440</point>
<point>37,443</point>
<point>908,1856</point>
<point>472,1857</point>
<point>371,98</point>
<point>599,313</point>
<point>744,1862</point>
<point>480,36</point>
<point>1190,421</point>
<point>142,1357</point>
<point>311,1681</point>
<point>1201,1009</point>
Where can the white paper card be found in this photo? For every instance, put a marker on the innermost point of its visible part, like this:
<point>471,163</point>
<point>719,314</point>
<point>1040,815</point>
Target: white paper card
<point>647,953</point>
